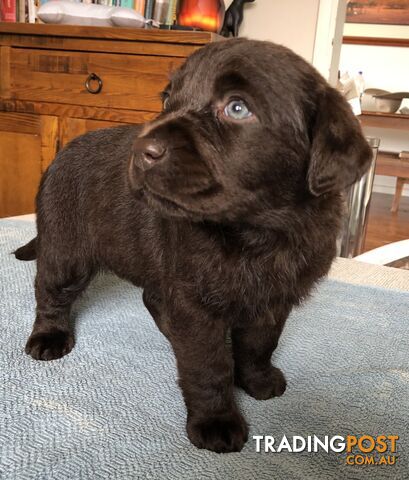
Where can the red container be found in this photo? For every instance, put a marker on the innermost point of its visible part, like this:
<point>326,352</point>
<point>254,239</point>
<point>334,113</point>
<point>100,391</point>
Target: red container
<point>205,14</point>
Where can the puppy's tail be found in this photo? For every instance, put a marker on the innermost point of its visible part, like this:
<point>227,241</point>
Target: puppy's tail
<point>28,251</point>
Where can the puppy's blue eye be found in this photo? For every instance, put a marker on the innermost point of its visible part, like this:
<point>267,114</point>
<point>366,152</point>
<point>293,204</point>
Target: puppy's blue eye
<point>237,110</point>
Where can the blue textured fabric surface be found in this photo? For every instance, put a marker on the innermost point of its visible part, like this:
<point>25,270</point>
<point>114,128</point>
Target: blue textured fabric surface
<point>112,408</point>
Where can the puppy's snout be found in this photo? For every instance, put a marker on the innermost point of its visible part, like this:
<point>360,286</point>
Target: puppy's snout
<point>149,151</point>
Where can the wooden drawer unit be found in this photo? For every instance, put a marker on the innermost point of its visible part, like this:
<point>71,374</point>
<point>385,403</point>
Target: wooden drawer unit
<point>45,99</point>
<point>93,79</point>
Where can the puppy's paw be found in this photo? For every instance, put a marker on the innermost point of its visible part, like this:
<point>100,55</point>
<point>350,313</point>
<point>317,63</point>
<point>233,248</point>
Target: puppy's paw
<point>49,345</point>
<point>219,433</point>
<point>262,384</point>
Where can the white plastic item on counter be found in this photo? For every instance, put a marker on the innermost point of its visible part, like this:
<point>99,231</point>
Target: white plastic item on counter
<point>360,83</point>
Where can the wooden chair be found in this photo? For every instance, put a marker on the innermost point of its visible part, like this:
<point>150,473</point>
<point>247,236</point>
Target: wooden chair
<point>400,183</point>
<point>391,165</point>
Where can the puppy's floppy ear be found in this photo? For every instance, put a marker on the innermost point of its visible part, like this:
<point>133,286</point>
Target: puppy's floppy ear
<point>340,155</point>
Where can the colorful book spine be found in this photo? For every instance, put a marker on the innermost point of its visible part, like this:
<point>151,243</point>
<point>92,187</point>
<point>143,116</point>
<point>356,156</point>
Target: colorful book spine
<point>172,12</point>
<point>127,3</point>
<point>160,12</point>
<point>22,11</point>
<point>140,6</point>
<point>31,8</point>
<point>8,11</point>
<point>149,4</point>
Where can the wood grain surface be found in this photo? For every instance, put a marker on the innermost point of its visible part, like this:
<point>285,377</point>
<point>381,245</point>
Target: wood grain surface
<point>128,81</point>
<point>20,162</point>
<point>134,34</point>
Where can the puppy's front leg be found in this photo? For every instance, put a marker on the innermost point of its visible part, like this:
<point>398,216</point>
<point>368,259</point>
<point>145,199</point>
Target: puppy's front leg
<point>205,368</point>
<point>253,344</point>
<point>57,285</point>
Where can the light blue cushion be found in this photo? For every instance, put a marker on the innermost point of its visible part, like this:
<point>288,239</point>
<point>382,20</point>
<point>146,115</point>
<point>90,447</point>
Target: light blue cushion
<point>112,409</point>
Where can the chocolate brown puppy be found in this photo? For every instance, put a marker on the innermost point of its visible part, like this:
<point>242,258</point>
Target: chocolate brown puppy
<point>225,210</point>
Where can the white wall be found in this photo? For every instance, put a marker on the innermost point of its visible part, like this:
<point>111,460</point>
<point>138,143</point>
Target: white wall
<point>372,30</point>
<point>288,22</point>
<point>312,28</point>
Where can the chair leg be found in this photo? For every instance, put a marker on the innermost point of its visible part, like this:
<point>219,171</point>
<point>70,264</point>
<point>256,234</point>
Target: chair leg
<point>400,182</point>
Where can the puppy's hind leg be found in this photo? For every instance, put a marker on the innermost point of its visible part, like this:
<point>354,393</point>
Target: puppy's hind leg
<point>253,345</point>
<point>154,303</point>
<point>58,283</point>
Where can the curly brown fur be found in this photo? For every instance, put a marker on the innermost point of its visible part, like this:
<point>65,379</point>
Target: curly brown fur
<point>226,224</point>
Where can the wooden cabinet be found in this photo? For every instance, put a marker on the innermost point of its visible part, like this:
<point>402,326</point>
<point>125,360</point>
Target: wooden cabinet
<point>28,144</point>
<point>125,81</point>
<point>58,82</point>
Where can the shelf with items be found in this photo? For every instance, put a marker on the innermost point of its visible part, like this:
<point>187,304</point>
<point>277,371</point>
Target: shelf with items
<point>396,121</point>
<point>25,11</point>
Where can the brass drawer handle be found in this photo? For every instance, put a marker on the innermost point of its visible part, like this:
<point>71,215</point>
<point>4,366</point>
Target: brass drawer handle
<point>92,78</point>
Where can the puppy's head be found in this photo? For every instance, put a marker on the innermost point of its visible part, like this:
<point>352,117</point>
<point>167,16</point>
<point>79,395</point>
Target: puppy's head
<point>246,127</point>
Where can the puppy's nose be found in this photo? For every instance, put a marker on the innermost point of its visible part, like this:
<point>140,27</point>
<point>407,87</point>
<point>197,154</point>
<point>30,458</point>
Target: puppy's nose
<point>150,151</point>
